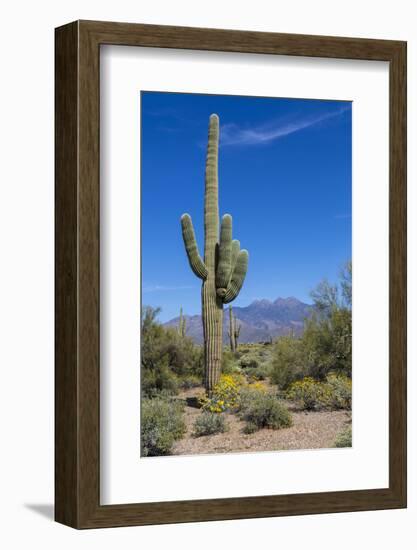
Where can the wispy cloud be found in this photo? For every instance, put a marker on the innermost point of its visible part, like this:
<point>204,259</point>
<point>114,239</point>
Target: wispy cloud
<point>232,134</point>
<point>163,288</point>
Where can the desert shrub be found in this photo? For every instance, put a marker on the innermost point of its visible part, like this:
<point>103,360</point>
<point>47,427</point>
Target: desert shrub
<point>344,438</point>
<point>258,373</point>
<point>314,395</point>
<point>159,380</point>
<point>161,425</point>
<point>230,363</point>
<point>165,355</point>
<point>190,381</point>
<point>340,387</point>
<point>250,428</point>
<point>225,395</point>
<point>209,423</point>
<point>249,361</point>
<point>326,343</point>
<point>288,361</point>
<point>328,333</point>
<point>263,410</point>
<point>309,394</point>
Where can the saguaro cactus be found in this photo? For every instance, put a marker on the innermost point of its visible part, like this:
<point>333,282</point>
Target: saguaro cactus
<point>224,266</point>
<point>234,330</point>
<point>182,327</point>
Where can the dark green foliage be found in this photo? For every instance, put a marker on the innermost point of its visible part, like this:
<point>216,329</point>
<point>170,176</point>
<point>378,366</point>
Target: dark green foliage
<point>161,425</point>
<point>209,423</point>
<point>327,342</point>
<point>289,361</point>
<point>263,410</point>
<point>159,379</point>
<point>166,356</point>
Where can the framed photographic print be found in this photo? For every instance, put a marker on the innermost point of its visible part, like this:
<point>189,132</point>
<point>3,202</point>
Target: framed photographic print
<point>230,274</point>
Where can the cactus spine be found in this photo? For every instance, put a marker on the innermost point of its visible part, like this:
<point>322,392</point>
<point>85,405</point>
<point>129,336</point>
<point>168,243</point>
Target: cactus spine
<point>234,330</point>
<point>182,325</point>
<point>224,266</point>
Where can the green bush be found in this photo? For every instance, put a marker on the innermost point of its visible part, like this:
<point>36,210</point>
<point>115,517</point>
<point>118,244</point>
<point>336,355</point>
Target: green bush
<point>230,364</point>
<point>165,356</point>
<point>326,343</point>
<point>258,373</point>
<point>161,425</point>
<point>341,391</point>
<point>288,361</point>
<point>249,361</point>
<point>209,423</point>
<point>263,410</point>
<point>250,428</point>
<point>344,438</point>
<point>159,380</point>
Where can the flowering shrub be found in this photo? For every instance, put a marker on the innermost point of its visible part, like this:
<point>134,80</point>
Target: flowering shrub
<point>310,394</point>
<point>258,385</point>
<point>209,423</point>
<point>225,396</point>
<point>341,391</point>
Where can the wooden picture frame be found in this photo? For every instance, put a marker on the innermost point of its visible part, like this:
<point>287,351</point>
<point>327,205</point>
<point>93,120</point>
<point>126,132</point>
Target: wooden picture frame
<point>77,382</point>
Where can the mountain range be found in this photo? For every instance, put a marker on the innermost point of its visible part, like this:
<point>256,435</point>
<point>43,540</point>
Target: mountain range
<point>260,321</point>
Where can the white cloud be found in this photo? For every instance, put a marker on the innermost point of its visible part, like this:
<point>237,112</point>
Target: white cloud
<point>232,134</point>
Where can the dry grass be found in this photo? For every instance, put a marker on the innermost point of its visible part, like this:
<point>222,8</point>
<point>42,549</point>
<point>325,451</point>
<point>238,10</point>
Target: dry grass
<point>311,430</point>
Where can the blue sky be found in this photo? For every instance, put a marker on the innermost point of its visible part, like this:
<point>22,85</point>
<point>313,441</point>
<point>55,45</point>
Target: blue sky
<point>284,176</point>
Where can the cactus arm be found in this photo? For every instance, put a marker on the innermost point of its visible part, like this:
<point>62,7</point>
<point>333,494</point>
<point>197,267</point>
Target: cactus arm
<point>194,258</point>
<point>223,271</point>
<point>234,255</point>
<point>238,276</point>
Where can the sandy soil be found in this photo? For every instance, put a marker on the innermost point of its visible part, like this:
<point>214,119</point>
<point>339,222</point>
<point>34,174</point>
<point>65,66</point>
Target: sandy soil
<point>311,430</point>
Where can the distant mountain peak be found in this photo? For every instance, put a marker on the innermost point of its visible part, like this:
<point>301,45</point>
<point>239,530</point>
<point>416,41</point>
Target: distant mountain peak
<point>260,321</point>
<point>263,302</point>
<point>291,300</point>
